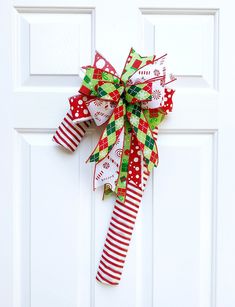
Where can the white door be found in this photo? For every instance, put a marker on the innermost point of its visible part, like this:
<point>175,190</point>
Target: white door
<point>52,225</point>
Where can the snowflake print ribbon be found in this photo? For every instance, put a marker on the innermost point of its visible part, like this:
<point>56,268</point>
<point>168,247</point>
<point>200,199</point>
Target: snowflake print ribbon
<point>130,107</point>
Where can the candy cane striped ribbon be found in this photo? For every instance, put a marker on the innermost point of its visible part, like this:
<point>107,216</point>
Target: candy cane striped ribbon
<point>69,134</point>
<point>120,232</point>
<point>124,214</point>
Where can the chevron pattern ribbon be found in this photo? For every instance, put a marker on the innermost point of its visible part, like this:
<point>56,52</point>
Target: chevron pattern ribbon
<point>130,108</point>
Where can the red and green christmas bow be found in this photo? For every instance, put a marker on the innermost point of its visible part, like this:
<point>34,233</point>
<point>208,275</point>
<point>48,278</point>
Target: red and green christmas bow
<point>130,108</point>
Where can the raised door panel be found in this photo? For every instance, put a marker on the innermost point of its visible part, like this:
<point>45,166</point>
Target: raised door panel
<point>59,222</point>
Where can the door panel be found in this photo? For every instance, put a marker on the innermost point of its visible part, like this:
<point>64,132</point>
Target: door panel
<point>53,225</point>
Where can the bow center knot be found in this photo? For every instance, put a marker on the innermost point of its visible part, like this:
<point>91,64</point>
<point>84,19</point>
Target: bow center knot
<point>134,93</point>
<point>106,86</point>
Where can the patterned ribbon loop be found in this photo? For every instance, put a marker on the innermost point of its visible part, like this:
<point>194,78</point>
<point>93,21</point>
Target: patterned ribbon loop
<point>93,80</point>
<point>134,63</point>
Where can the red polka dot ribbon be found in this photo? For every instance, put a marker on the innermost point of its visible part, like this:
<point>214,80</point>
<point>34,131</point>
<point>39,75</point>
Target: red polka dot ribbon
<point>130,107</point>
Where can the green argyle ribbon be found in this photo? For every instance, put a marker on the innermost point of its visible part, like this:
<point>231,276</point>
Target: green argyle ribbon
<point>128,97</point>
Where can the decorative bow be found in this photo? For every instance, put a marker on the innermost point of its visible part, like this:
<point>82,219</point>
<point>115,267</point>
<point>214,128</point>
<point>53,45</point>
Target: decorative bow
<point>133,106</point>
<point>128,111</point>
<point>130,107</point>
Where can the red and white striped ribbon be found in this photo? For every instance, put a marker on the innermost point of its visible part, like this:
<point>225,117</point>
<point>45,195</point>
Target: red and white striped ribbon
<point>124,214</point>
<point>120,232</point>
<point>69,134</point>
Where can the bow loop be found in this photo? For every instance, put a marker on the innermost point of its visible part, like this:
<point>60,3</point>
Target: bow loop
<point>135,62</point>
<point>92,77</point>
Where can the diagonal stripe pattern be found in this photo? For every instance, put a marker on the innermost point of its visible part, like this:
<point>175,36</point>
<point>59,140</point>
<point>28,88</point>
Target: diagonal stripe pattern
<point>69,134</point>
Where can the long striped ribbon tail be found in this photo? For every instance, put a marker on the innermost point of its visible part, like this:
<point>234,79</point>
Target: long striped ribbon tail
<point>69,134</point>
<point>120,232</point>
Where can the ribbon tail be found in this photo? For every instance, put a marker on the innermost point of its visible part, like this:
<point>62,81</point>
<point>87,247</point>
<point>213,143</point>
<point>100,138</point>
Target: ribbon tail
<point>106,171</point>
<point>144,135</point>
<point>110,134</point>
<point>123,168</point>
<point>131,166</point>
